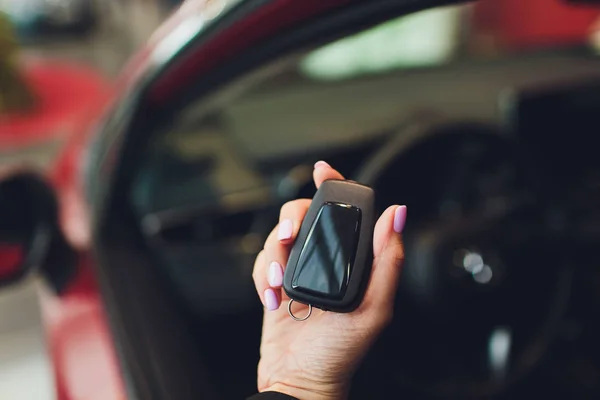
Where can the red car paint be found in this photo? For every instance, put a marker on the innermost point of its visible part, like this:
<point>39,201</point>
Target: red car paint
<point>81,347</point>
<point>518,24</point>
<point>280,14</point>
<point>82,350</point>
<point>77,335</point>
<point>10,256</point>
<point>63,91</point>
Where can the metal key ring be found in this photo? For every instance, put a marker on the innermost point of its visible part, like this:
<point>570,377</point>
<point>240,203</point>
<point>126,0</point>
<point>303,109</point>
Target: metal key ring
<point>296,318</point>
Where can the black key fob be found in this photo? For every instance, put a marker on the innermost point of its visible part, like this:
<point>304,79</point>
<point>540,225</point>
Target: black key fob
<point>330,262</point>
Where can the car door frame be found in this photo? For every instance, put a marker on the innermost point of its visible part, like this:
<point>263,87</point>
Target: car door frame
<point>154,343</point>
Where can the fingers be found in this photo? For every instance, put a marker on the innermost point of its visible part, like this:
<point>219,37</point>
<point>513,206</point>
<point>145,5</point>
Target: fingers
<point>388,251</point>
<point>323,172</point>
<point>257,275</point>
<point>390,224</point>
<point>268,279</point>
<point>290,218</point>
<point>268,274</point>
<point>270,264</point>
<point>277,249</point>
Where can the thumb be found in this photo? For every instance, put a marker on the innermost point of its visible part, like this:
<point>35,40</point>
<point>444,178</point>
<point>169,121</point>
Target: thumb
<point>388,257</point>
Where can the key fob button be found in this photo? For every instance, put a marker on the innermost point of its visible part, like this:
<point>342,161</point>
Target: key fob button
<point>327,259</point>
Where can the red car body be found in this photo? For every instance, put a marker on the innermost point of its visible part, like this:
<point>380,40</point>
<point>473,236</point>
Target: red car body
<point>80,342</point>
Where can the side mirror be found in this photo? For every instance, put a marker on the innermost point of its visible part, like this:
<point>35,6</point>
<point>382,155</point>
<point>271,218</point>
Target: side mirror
<point>29,232</point>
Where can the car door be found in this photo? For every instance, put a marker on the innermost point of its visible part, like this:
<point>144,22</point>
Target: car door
<point>220,128</point>
<point>164,345</point>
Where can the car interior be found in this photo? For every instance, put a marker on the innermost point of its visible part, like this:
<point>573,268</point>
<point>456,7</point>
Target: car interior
<point>492,153</point>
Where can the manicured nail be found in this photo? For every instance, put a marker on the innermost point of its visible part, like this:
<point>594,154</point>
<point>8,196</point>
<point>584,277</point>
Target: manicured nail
<point>400,219</point>
<point>322,164</point>
<point>271,300</point>
<point>286,228</point>
<point>275,275</point>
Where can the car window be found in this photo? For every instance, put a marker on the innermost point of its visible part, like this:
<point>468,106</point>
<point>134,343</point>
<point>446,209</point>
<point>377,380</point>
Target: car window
<point>452,59</point>
<point>209,187</point>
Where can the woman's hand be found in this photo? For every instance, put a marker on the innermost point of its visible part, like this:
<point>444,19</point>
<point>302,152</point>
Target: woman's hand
<point>316,359</point>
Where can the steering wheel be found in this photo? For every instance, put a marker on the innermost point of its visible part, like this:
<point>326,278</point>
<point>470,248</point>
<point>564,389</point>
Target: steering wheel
<point>484,285</point>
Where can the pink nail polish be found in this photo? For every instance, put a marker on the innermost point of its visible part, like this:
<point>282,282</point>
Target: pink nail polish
<point>286,229</point>
<point>322,164</point>
<point>271,300</point>
<point>275,275</point>
<point>400,219</point>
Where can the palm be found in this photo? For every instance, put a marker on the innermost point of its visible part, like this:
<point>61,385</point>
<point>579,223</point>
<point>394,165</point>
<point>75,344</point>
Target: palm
<point>316,358</point>
<point>317,350</point>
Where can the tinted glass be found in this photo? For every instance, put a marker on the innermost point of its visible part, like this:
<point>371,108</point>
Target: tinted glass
<point>235,157</point>
<point>455,59</point>
<point>327,259</point>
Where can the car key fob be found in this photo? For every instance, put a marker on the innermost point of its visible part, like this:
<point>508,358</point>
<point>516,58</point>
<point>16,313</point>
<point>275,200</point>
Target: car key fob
<point>330,263</point>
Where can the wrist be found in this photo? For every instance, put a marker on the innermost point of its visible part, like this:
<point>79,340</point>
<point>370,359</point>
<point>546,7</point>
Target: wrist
<point>324,393</point>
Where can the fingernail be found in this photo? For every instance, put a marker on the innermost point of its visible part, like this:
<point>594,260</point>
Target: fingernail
<point>275,274</point>
<point>400,219</point>
<point>271,300</point>
<point>322,164</point>
<point>286,228</point>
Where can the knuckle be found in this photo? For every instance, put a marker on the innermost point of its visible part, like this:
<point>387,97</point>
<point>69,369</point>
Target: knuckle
<point>287,208</point>
<point>398,259</point>
<point>257,263</point>
<point>270,245</point>
<point>397,254</point>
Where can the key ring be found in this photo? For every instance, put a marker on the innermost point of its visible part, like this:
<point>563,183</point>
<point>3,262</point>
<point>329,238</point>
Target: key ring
<point>296,318</point>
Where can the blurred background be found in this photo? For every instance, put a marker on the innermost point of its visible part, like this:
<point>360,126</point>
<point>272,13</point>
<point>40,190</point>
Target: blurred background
<point>60,58</point>
<point>76,46</point>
